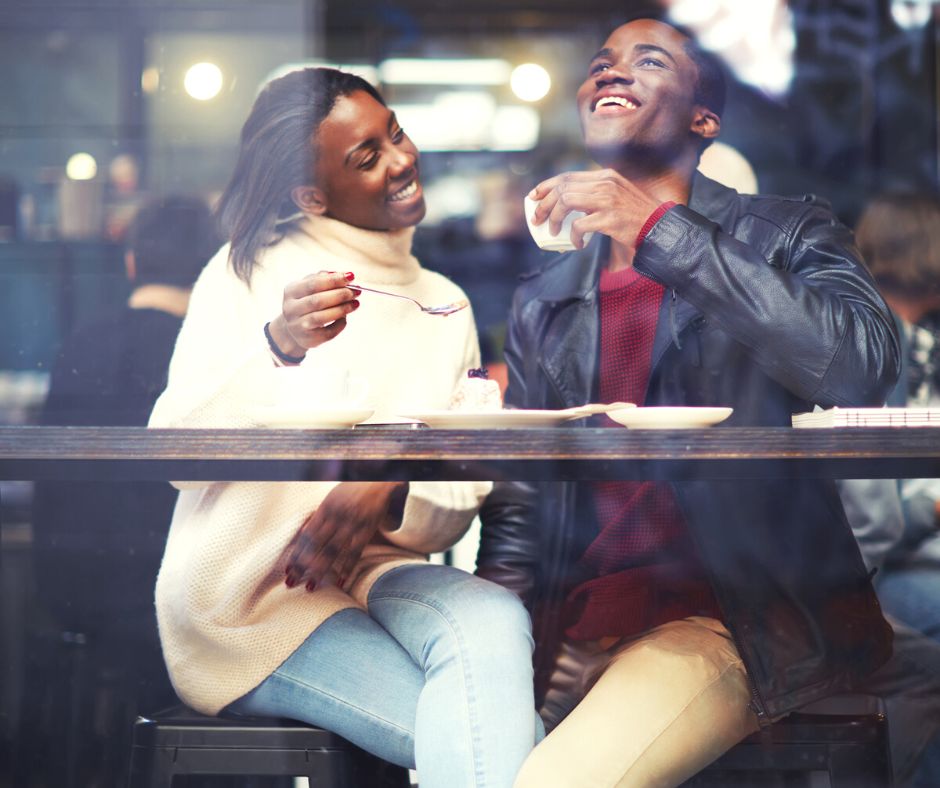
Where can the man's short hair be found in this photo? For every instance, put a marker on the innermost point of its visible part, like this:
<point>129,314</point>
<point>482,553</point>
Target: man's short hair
<point>172,238</point>
<point>711,90</point>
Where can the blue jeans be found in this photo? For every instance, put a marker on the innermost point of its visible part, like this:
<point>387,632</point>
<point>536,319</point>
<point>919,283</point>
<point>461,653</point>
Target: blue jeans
<point>912,594</point>
<point>437,676</point>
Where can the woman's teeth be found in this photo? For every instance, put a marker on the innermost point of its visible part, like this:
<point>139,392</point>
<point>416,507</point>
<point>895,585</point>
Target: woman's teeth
<point>405,192</point>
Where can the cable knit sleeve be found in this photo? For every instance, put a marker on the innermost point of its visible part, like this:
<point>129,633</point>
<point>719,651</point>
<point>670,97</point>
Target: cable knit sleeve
<point>438,514</point>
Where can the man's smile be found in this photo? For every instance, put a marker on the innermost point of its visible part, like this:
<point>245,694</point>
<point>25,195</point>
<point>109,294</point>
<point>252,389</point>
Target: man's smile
<point>614,102</point>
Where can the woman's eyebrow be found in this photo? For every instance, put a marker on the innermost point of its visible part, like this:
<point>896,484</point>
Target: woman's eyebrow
<point>371,142</point>
<point>368,143</point>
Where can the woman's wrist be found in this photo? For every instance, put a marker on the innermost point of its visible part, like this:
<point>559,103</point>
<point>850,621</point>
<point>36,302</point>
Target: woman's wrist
<point>282,343</point>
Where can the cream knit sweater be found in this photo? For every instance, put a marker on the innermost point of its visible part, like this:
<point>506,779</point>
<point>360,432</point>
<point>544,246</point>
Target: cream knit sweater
<point>226,618</point>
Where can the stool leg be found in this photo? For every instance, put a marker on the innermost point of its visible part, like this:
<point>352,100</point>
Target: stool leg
<point>858,767</point>
<point>148,771</point>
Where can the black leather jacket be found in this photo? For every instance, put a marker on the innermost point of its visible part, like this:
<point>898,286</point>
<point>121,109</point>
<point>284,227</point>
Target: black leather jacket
<point>769,310</point>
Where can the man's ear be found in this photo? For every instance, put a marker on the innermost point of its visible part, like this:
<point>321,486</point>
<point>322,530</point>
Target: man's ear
<point>706,123</point>
<point>310,199</point>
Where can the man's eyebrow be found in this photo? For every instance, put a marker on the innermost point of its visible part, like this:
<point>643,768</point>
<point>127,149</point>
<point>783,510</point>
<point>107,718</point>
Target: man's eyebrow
<point>654,48</point>
<point>371,142</point>
<point>605,52</point>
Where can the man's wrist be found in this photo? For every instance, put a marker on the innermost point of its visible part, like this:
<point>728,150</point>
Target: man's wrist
<point>651,221</point>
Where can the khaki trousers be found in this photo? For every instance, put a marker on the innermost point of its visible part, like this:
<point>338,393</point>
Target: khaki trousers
<point>649,711</point>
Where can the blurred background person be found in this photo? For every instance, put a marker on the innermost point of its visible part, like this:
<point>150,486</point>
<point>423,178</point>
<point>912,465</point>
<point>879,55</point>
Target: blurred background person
<point>97,545</point>
<point>896,521</point>
<point>899,236</point>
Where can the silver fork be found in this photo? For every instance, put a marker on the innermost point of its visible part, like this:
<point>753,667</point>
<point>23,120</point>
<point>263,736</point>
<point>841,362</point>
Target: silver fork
<point>442,309</point>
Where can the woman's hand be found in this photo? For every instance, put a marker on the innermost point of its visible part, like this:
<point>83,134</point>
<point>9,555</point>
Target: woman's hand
<point>329,543</point>
<point>313,311</point>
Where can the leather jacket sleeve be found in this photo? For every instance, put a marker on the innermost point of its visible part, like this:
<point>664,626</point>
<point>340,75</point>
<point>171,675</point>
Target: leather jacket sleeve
<point>508,552</point>
<point>809,296</point>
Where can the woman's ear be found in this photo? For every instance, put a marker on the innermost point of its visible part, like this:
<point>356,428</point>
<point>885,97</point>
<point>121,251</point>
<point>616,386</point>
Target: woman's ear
<point>706,123</point>
<point>309,199</point>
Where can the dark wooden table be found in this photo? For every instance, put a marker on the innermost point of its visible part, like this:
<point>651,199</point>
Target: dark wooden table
<point>423,454</point>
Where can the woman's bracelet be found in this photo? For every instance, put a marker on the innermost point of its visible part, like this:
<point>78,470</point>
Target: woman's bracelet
<point>277,351</point>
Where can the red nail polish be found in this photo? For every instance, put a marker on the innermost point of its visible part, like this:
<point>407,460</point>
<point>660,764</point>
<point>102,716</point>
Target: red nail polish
<point>312,585</point>
<point>290,582</point>
<point>349,276</point>
<point>355,304</point>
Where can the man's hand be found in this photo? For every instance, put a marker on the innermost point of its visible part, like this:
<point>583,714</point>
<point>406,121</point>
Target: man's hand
<point>329,543</point>
<point>614,205</point>
<point>313,311</point>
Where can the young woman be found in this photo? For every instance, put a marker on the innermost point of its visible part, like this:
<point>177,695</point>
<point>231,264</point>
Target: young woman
<point>314,600</point>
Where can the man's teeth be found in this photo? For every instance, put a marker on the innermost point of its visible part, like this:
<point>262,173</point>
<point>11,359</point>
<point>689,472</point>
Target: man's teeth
<point>618,101</point>
<point>405,193</point>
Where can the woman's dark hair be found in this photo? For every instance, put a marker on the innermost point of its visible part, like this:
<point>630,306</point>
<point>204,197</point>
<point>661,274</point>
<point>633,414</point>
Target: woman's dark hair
<point>899,237</point>
<point>276,154</point>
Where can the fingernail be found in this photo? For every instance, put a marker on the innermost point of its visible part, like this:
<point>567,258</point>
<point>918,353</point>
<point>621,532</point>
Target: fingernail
<point>532,194</point>
<point>349,276</point>
<point>312,585</point>
<point>355,304</point>
<point>290,582</point>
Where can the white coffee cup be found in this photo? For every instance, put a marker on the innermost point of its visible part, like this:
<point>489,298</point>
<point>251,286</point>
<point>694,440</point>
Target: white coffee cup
<point>542,234</point>
<point>306,388</point>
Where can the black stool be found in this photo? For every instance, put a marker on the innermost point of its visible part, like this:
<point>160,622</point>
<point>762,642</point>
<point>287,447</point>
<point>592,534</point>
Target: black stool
<point>180,741</point>
<point>844,737</point>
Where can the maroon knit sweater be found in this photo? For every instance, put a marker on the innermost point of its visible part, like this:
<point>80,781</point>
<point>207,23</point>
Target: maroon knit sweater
<point>643,567</point>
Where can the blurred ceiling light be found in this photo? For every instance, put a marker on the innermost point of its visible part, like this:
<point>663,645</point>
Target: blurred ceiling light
<point>203,81</point>
<point>81,167</point>
<point>435,71</point>
<point>911,14</point>
<point>150,79</point>
<point>465,120</point>
<point>754,37</point>
<point>530,82</point>
<point>515,128</point>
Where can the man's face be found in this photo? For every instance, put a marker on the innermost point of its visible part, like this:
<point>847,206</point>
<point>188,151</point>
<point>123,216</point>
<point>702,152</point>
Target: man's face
<point>639,95</point>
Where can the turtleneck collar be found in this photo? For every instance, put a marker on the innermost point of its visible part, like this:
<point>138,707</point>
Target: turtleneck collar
<point>380,256</point>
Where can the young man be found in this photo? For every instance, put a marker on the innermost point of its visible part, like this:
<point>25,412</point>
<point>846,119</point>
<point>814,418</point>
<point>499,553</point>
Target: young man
<point>672,619</point>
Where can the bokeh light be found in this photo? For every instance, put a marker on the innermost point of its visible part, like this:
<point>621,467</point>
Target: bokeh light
<point>530,82</point>
<point>203,81</point>
<point>81,167</point>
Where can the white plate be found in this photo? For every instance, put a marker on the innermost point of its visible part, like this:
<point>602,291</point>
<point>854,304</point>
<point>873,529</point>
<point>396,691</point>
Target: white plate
<point>669,418</point>
<point>313,419</point>
<point>493,419</point>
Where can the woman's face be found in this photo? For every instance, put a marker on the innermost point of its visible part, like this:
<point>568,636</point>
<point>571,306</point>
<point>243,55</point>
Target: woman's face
<point>366,167</point>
